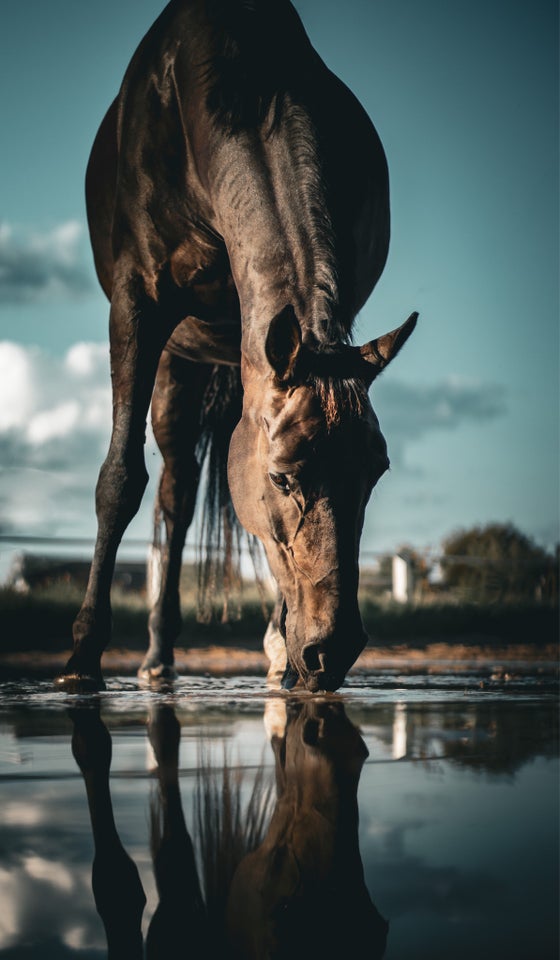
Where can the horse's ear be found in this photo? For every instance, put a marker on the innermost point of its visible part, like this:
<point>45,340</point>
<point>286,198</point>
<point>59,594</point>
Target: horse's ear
<point>283,343</point>
<point>379,352</point>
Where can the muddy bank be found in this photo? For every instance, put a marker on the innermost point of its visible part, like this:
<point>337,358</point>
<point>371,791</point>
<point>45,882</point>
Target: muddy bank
<point>231,660</point>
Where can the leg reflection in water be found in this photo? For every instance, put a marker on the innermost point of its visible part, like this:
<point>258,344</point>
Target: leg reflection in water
<point>117,890</point>
<point>280,879</point>
<point>180,916</point>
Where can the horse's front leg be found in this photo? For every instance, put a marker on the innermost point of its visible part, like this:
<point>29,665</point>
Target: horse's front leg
<point>137,334</point>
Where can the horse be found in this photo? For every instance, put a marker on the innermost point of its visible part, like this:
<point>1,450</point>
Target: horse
<point>238,209</point>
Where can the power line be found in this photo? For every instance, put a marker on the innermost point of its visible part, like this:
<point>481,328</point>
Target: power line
<point>72,541</point>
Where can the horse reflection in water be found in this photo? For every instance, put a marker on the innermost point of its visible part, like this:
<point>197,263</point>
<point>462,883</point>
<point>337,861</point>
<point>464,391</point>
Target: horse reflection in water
<point>275,892</point>
<point>303,888</point>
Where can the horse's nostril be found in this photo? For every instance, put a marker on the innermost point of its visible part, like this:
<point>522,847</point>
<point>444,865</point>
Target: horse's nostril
<point>313,657</point>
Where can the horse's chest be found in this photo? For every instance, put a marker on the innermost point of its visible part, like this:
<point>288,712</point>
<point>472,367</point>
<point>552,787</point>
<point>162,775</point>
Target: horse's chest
<point>202,341</point>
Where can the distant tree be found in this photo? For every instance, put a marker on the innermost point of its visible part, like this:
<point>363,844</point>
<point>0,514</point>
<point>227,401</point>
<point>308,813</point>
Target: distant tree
<point>498,562</point>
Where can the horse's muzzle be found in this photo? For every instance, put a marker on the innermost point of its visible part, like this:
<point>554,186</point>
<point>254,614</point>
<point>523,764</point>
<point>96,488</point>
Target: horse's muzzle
<point>322,665</point>
<point>319,670</point>
<point>314,680</point>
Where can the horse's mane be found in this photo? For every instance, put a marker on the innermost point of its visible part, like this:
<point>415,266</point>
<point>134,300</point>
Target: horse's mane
<point>258,77</point>
<point>255,61</point>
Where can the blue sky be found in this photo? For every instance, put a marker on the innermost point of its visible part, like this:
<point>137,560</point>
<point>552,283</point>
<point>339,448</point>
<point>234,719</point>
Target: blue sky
<point>464,97</point>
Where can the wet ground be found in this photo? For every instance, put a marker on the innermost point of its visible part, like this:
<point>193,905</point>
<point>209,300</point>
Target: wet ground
<point>428,801</point>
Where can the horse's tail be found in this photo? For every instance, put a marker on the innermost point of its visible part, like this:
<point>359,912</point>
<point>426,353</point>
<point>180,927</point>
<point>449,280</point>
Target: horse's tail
<point>222,540</point>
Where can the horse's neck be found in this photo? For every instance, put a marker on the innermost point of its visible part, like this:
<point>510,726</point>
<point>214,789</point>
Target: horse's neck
<point>272,211</point>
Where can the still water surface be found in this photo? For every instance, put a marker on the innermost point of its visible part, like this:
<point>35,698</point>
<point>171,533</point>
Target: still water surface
<point>430,803</point>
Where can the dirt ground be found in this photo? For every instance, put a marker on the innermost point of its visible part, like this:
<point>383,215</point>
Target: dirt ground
<point>229,661</point>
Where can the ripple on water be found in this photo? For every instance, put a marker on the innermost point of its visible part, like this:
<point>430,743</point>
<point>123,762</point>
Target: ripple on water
<point>250,693</point>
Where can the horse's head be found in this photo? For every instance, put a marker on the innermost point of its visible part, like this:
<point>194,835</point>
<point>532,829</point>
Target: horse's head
<point>303,461</point>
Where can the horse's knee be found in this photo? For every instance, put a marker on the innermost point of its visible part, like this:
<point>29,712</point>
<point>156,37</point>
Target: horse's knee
<point>177,489</point>
<point>120,489</point>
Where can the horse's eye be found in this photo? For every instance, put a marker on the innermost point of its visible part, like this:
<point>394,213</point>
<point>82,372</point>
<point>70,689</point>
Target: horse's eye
<point>280,481</point>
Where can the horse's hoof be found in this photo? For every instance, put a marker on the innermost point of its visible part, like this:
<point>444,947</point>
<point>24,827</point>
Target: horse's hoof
<point>80,683</point>
<point>157,671</point>
<point>274,679</point>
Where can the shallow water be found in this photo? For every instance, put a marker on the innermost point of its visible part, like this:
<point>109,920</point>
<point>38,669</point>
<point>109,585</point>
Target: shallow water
<point>456,779</point>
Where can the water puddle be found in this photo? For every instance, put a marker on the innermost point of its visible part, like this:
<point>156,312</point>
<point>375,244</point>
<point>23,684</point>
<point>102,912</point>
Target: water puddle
<point>223,819</point>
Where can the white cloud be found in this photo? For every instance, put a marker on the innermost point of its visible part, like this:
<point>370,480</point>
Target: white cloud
<point>85,359</point>
<point>59,243</point>
<point>55,421</point>
<point>60,421</point>
<point>38,266</point>
<point>16,386</point>
<point>45,399</point>
<point>408,412</point>
<point>55,426</point>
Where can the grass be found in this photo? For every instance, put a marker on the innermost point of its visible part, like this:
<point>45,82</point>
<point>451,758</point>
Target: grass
<point>42,621</point>
<point>420,624</point>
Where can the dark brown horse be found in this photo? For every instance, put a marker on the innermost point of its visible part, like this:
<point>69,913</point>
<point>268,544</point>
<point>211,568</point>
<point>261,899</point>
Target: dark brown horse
<point>238,207</point>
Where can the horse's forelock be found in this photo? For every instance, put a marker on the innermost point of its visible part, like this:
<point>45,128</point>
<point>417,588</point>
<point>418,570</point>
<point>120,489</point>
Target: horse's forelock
<point>246,72</point>
<point>339,396</point>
